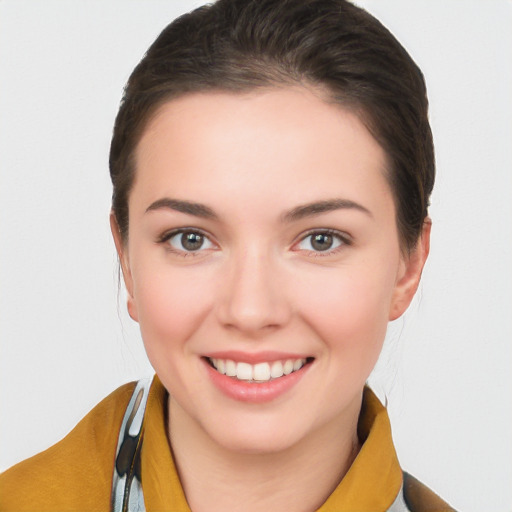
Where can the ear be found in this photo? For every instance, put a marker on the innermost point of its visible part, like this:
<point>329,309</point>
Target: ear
<point>122,252</point>
<point>409,275</point>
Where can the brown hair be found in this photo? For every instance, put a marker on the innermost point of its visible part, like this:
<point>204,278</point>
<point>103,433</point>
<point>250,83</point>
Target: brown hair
<point>241,45</point>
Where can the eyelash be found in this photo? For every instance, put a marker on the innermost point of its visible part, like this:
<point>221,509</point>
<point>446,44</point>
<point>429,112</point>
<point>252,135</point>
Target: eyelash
<point>168,235</point>
<point>343,238</point>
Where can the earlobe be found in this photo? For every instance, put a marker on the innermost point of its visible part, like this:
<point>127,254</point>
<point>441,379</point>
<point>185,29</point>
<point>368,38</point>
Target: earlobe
<point>125,266</point>
<point>410,275</point>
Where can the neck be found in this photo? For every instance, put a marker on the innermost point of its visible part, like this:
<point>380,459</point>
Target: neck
<point>299,478</point>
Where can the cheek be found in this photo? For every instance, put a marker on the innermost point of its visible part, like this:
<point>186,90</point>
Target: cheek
<point>171,303</point>
<point>350,308</point>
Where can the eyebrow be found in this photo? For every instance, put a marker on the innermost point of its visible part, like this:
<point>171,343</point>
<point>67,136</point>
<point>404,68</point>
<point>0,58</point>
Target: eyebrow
<point>297,213</point>
<point>196,209</point>
<point>316,208</point>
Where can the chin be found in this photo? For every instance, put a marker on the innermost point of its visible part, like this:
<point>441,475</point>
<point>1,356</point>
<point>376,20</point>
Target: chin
<point>257,434</point>
<point>251,443</point>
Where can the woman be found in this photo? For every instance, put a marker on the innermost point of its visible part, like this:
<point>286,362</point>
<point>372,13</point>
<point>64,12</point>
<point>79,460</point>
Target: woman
<point>272,164</point>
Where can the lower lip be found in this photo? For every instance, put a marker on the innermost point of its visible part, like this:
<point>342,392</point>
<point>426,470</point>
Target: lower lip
<point>255,392</point>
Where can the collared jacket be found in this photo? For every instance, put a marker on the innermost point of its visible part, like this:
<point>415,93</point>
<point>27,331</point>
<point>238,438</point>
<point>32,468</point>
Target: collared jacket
<point>80,473</point>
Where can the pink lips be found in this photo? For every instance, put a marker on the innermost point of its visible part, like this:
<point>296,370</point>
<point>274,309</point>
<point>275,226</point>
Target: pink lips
<point>260,357</point>
<point>254,392</point>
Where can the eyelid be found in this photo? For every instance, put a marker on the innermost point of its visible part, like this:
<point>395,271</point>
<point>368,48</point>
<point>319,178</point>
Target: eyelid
<point>175,231</point>
<point>345,238</point>
<point>167,235</point>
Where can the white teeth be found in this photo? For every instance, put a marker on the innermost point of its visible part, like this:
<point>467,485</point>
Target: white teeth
<point>244,371</point>
<point>221,366</point>
<point>260,372</point>
<point>230,368</point>
<point>288,367</point>
<point>276,370</point>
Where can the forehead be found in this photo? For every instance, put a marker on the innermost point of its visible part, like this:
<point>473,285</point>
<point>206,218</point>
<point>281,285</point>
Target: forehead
<point>285,143</point>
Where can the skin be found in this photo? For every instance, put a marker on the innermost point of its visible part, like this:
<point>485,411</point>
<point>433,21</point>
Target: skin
<point>257,284</point>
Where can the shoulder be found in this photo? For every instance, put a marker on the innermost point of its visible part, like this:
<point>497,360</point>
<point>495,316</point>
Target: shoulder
<point>75,473</point>
<point>419,498</point>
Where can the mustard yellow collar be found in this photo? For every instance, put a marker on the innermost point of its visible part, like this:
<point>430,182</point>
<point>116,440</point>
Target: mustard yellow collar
<point>371,484</point>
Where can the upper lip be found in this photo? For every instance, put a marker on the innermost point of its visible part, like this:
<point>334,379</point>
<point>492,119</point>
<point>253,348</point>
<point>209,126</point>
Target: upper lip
<point>256,357</point>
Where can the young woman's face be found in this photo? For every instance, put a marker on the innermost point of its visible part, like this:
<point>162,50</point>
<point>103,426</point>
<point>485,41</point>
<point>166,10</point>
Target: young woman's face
<point>263,263</point>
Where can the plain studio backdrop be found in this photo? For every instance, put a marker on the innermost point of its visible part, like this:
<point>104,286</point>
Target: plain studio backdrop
<point>66,340</point>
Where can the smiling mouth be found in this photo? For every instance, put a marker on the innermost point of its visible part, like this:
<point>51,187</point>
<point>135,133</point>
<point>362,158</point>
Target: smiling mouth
<point>260,372</point>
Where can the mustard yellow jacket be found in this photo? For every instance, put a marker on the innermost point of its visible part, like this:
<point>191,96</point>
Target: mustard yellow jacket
<point>76,473</point>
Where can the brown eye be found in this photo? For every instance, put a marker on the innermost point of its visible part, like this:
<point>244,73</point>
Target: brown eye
<point>189,241</point>
<point>192,241</point>
<point>321,241</point>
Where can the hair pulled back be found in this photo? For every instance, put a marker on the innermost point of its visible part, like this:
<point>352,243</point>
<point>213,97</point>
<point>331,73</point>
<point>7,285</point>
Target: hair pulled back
<point>241,45</point>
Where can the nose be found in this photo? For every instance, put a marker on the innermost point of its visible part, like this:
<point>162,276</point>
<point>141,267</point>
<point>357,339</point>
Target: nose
<point>254,299</point>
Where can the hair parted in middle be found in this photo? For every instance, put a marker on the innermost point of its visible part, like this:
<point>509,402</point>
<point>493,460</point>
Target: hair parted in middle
<point>329,46</point>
